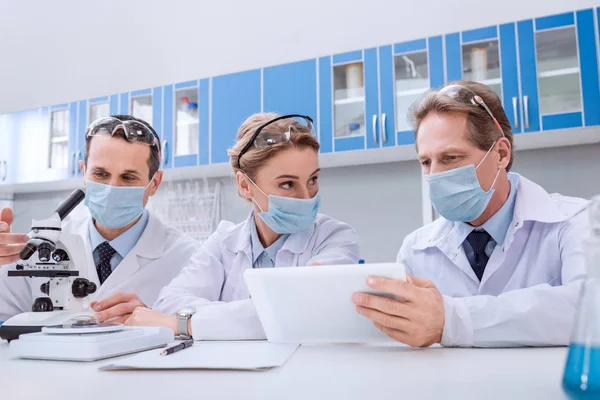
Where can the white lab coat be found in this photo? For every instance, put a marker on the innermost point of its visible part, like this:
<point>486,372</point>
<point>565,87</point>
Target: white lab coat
<point>529,292</point>
<point>157,257</point>
<point>213,282</point>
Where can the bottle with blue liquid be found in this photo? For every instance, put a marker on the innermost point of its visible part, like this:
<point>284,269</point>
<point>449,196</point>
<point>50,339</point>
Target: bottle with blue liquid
<point>582,372</point>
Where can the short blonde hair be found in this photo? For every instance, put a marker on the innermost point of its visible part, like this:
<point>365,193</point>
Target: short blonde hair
<point>481,131</point>
<point>255,157</point>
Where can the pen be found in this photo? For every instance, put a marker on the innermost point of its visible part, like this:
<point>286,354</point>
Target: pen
<point>183,345</point>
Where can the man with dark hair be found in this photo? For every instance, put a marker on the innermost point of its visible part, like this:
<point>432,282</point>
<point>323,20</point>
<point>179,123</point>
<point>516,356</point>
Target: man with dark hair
<point>131,254</point>
<point>504,263</point>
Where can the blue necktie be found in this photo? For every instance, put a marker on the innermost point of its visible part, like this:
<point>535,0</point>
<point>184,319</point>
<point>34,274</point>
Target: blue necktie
<point>478,241</point>
<point>105,253</point>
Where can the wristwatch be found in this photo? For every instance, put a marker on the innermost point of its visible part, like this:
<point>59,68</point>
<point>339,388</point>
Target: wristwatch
<point>183,316</point>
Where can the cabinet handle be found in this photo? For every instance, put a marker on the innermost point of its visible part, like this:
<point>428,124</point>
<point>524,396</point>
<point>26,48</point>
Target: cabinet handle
<point>5,171</point>
<point>73,165</point>
<point>383,128</point>
<point>165,149</point>
<point>526,110</point>
<point>375,128</point>
<point>515,113</point>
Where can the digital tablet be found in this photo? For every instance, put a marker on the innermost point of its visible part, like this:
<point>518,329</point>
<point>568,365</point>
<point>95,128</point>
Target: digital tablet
<point>313,304</point>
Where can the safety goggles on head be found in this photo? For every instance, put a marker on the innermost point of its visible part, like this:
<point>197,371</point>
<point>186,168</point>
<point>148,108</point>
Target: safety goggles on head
<point>263,137</point>
<point>467,96</point>
<point>135,131</point>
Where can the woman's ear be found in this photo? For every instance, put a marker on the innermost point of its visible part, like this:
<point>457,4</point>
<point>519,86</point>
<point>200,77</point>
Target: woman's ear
<point>505,153</point>
<point>243,185</point>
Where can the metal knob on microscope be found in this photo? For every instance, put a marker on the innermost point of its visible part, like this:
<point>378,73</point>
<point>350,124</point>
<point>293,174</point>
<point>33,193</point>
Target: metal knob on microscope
<point>82,288</point>
<point>45,251</point>
<point>42,304</point>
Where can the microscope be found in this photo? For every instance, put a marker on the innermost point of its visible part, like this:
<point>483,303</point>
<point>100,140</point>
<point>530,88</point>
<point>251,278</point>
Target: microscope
<point>56,257</point>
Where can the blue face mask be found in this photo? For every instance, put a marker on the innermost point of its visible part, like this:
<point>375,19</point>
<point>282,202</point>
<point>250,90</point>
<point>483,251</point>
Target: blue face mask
<point>288,215</point>
<point>114,206</point>
<point>457,195</point>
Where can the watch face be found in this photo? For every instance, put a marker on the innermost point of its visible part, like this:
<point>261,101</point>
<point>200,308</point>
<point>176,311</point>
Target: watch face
<point>186,311</point>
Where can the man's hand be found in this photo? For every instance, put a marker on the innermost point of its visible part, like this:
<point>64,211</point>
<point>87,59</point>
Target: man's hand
<point>10,243</point>
<point>118,306</point>
<point>143,316</point>
<point>417,321</point>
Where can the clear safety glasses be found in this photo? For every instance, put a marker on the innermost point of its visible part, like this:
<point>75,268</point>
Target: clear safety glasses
<point>264,137</point>
<point>467,96</point>
<point>135,131</point>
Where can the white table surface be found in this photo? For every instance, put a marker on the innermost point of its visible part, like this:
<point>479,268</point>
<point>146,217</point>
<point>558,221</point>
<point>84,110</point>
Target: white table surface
<point>314,372</point>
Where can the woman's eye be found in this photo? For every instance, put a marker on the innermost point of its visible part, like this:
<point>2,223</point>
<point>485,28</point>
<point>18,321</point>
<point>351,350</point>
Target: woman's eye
<point>313,180</point>
<point>286,185</point>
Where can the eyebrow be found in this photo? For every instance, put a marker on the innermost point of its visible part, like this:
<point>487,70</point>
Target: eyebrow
<point>296,177</point>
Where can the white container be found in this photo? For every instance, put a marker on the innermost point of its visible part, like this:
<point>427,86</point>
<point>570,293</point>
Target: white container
<point>479,64</point>
<point>354,79</point>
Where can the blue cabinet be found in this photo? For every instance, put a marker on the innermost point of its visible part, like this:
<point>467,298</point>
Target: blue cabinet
<point>185,123</point>
<point>291,89</point>
<point>7,136</point>
<point>489,56</point>
<point>407,71</point>
<point>234,98</point>
<point>349,83</point>
<point>559,71</point>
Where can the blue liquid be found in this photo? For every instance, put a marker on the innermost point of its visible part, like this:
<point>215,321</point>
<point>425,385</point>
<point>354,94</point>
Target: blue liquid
<point>582,372</point>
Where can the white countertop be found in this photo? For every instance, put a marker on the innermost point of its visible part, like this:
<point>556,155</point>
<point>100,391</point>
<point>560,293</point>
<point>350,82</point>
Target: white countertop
<point>314,372</point>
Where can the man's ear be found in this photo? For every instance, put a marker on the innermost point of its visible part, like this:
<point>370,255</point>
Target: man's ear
<point>505,152</point>
<point>158,177</point>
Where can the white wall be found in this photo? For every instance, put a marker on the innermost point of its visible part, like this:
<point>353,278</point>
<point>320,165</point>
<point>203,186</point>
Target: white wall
<point>64,50</point>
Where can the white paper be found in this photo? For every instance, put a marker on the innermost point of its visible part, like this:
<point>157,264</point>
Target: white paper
<point>212,355</point>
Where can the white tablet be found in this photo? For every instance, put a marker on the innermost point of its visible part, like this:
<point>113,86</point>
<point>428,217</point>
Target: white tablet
<point>313,304</point>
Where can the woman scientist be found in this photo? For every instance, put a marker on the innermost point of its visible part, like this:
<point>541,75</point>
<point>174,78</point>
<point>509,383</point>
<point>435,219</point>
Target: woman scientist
<point>275,160</point>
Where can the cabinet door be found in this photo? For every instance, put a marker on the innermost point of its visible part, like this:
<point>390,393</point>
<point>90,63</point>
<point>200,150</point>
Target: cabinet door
<point>349,119</point>
<point>407,71</point>
<point>488,56</point>
<point>291,89</point>
<point>559,71</point>
<point>7,133</point>
<point>186,124</point>
<point>235,97</point>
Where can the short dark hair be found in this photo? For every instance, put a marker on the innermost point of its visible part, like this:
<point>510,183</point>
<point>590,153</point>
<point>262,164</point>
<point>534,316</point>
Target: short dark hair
<point>482,131</point>
<point>153,160</point>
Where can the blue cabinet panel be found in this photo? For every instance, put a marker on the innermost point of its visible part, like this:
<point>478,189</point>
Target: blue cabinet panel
<point>510,76</point>
<point>386,94</point>
<point>588,58</point>
<point>372,99</point>
<point>529,84</point>
<point>291,89</point>
<point>325,105</point>
<point>168,105</point>
<point>235,97</point>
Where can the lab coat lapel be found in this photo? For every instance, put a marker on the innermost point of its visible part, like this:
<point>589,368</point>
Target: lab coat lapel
<point>456,255</point>
<point>149,247</point>
<point>443,237</point>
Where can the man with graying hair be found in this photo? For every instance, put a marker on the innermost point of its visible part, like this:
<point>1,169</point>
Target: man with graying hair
<point>503,265</point>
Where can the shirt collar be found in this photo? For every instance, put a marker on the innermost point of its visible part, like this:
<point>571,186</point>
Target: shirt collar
<point>497,226</point>
<point>125,241</point>
<point>258,248</point>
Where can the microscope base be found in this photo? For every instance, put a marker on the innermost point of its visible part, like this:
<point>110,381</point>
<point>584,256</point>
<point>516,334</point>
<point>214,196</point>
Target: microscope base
<point>30,322</point>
